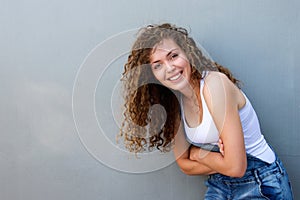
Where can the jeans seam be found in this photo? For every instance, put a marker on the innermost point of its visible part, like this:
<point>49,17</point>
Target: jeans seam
<point>256,175</point>
<point>279,167</point>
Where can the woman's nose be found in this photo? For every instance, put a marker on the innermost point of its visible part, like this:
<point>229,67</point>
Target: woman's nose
<point>170,67</point>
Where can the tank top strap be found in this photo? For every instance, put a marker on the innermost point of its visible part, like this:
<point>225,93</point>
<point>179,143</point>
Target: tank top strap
<point>203,102</point>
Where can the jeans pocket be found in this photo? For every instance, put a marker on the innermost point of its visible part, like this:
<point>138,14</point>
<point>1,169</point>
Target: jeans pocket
<point>270,186</point>
<point>215,191</point>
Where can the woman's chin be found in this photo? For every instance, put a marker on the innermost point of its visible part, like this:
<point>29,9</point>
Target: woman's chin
<point>179,86</point>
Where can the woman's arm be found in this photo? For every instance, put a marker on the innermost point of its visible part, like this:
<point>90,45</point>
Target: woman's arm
<point>223,99</point>
<point>181,152</point>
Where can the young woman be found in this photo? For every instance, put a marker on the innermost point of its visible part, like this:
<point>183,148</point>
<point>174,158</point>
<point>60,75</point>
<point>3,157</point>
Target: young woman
<point>208,119</point>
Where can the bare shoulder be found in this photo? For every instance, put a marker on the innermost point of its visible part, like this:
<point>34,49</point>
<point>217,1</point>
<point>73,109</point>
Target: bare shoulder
<point>217,78</point>
<point>217,82</point>
<point>218,86</point>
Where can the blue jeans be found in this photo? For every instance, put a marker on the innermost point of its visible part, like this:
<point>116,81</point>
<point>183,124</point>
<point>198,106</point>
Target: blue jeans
<point>261,181</point>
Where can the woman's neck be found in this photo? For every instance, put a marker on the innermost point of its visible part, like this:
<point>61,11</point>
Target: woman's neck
<point>192,91</point>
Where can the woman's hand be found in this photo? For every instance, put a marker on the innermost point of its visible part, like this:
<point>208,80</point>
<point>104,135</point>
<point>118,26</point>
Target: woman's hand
<point>197,153</point>
<point>194,153</point>
<point>221,147</point>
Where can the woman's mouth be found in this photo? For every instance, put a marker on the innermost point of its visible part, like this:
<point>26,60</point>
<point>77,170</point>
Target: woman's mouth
<point>175,77</point>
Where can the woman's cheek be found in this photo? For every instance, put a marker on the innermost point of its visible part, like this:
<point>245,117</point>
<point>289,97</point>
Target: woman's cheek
<point>159,75</point>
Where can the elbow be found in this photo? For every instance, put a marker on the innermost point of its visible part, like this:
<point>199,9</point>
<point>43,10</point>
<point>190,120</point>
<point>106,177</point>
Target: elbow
<point>238,171</point>
<point>192,172</point>
<point>237,168</point>
<point>186,172</point>
<point>184,168</point>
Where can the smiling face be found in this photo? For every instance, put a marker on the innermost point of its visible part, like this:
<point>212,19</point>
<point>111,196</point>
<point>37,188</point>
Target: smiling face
<point>170,65</point>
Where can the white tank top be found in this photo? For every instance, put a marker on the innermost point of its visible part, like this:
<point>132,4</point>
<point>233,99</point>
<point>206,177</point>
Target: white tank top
<point>207,133</point>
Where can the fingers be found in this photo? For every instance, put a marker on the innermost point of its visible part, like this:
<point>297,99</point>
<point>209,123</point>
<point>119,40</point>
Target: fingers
<point>221,147</point>
<point>193,153</point>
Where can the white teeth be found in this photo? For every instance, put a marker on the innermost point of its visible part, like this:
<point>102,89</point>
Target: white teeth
<point>175,77</point>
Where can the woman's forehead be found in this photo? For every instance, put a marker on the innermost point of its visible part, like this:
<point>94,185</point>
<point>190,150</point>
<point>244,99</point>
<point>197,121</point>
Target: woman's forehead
<point>163,47</point>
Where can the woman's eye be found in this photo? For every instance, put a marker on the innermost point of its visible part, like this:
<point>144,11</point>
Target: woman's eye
<point>173,56</point>
<point>156,66</point>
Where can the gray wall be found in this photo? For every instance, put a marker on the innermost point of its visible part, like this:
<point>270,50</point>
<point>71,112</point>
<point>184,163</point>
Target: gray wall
<point>44,43</point>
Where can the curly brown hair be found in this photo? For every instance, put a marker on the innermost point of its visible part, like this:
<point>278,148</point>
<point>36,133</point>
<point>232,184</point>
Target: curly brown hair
<point>143,128</point>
